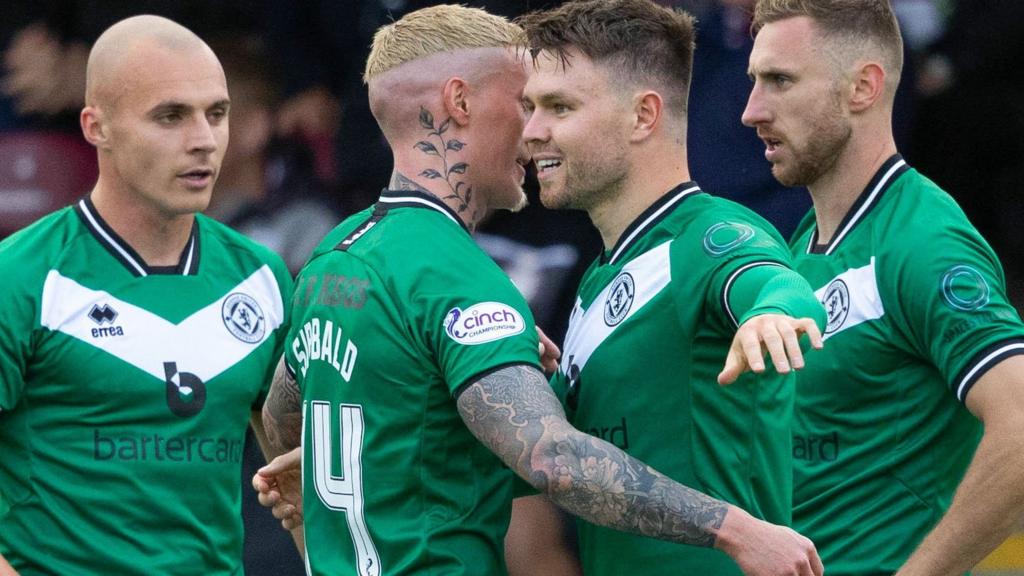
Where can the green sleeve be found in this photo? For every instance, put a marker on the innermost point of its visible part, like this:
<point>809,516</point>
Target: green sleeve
<point>765,288</point>
<point>953,306</point>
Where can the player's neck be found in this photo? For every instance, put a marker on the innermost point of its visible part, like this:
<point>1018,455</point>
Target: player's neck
<point>467,206</point>
<point>158,238</point>
<point>615,209</point>
<point>835,192</point>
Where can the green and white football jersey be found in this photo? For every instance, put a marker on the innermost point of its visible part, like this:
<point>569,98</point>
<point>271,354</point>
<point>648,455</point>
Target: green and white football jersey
<point>648,336</point>
<point>917,313</point>
<point>125,392</point>
<point>395,313</point>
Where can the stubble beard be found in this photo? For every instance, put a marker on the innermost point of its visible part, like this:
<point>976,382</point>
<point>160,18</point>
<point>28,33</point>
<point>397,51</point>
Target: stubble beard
<point>589,184</point>
<point>830,133</point>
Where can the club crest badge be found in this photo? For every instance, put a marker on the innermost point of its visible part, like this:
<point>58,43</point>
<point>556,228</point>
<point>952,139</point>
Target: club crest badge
<point>837,305</point>
<point>243,317</point>
<point>620,299</point>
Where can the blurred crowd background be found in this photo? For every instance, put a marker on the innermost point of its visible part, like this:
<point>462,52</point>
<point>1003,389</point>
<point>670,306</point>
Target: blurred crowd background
<point>305,151</point>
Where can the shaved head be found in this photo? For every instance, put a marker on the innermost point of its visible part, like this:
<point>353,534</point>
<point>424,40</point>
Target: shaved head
<point>412,59</point>
<point>121,45</point>
<point>396,95</point>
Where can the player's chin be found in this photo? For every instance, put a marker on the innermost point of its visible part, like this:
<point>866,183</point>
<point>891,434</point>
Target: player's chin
<point>512,199</point>
<point>553,197</point>
<point>521,201</point>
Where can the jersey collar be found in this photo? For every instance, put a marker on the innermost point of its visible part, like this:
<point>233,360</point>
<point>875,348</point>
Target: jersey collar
<point>892,169</point>
<point>413,199</point>
<point>649,218</point>
<point>188,262</point>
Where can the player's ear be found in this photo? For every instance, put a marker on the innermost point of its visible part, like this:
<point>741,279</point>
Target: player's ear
<point>868,86</point>
<point>648,108</point>
<point>456,100</point>
<point>94,127</point>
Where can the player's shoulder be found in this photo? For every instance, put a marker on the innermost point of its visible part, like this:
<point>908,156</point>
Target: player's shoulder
<point>37,247</point>
<point>919,218</point>
<point>718,227</point>
<point>408,244</point>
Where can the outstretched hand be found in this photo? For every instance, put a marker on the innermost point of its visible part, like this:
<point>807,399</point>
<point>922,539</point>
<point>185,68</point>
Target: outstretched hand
<point>279,487</point>
<point>776,334</point>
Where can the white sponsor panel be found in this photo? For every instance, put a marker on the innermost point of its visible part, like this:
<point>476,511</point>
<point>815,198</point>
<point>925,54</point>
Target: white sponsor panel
<point>648,275</point>
<point>205,343</point>
<point>851,298</point>
<point>483,322</point>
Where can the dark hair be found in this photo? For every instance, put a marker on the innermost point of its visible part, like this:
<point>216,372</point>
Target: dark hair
<point>638,39</point>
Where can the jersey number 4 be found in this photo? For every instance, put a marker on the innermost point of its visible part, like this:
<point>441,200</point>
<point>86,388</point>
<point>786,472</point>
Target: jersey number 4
<point>345,493</point>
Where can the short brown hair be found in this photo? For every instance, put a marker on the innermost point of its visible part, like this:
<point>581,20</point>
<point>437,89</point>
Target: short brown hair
<point>639,39</point>
<point>854,24</point>
<point>433,30</point>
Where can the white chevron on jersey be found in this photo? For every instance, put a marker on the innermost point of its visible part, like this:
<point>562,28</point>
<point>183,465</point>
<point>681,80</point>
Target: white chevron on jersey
<point>851,298</point>
<point>651,272</point>
<point>200,344</point>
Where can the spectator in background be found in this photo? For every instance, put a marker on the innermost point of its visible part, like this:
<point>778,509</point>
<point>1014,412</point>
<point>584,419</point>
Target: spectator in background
<point>267,189</point>
<point>43,77</point>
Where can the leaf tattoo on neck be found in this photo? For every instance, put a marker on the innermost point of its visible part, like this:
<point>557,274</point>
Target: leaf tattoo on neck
<point>461,191</point>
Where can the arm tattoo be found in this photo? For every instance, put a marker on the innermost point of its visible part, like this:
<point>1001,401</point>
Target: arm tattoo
<point>514,412</point>
<point>282,411</point>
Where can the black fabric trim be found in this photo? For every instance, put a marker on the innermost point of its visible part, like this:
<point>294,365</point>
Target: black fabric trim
<point>433,200</point>
<point>194,268</point>
<point>380,210</point>
<point>178,269</point>
<point>627,238</point>
<point>732,279</point>
<point>103,241</point>
<point>979,359</point>
<point>841,232</point>
<point>481,375</point>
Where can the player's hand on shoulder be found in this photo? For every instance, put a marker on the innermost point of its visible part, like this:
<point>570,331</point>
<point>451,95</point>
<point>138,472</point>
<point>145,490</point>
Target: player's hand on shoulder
<point>777,335</point>
<point>548,351</point>
<point>764,549</point>
<point>279,487</point>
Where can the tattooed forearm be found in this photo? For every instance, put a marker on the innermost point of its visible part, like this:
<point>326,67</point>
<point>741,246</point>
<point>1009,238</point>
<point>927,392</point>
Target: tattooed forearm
<point>282,412</point>
<point>514,412</point>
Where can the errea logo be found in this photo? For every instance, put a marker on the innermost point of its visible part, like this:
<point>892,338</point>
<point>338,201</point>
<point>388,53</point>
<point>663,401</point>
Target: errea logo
<point>483,322</point>
<point>103,315</point>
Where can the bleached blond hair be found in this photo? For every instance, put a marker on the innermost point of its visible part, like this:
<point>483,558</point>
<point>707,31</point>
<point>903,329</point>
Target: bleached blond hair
<point>434,30</point>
